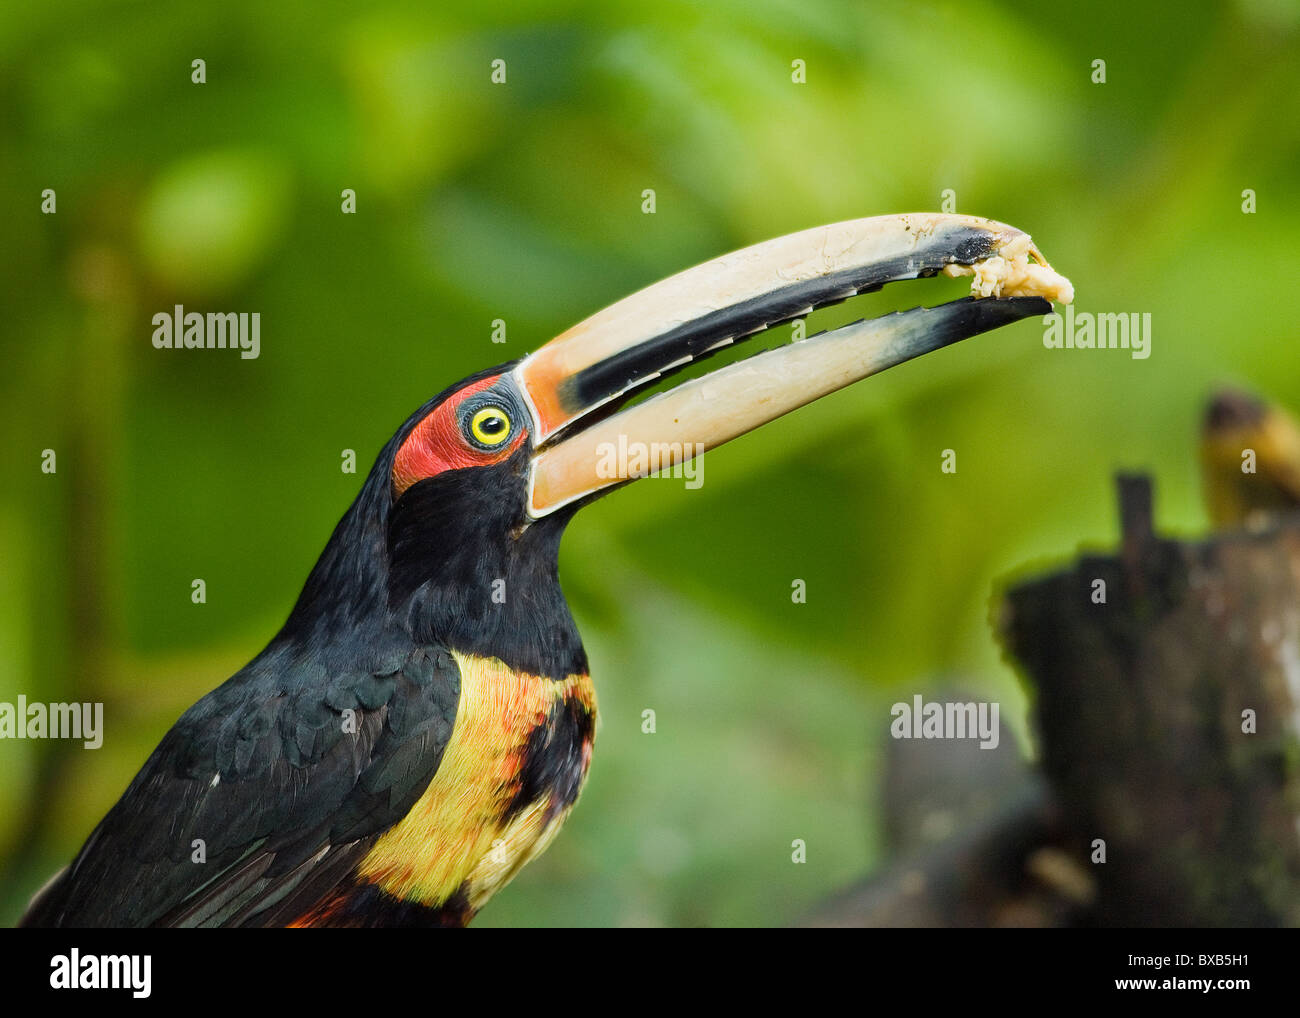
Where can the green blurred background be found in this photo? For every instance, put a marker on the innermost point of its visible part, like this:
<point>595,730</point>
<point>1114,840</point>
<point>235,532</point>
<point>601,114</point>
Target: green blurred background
<point>522,201</point>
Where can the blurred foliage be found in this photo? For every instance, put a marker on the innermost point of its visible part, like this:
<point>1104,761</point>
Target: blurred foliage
<point>523,201</point>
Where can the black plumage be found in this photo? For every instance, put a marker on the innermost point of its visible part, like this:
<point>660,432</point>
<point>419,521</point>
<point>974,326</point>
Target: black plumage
<point>262,773</point>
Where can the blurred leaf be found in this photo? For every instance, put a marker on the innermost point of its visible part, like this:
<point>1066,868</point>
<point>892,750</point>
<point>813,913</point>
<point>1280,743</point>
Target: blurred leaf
<point>207,222</point>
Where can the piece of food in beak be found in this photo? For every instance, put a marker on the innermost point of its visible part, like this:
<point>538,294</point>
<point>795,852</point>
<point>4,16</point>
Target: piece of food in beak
<point>574,384</point>
<point>1010,273</point>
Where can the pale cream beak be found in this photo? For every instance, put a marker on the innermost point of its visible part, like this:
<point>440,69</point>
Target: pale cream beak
<point>603,361</point>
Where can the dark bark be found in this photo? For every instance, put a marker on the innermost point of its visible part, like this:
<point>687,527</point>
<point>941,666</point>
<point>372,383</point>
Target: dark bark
<point>1167,707</point>
<point>1139,708</point>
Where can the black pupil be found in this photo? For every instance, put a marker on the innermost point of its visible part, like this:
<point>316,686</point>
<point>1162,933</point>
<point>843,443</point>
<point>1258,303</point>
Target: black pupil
<point>493,424</point>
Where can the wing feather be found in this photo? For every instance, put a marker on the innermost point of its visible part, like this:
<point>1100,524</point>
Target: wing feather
<point>263,796</point>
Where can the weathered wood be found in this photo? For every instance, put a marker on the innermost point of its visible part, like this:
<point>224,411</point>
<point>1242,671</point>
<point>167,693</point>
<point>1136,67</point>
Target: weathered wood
<point>1142,708</point>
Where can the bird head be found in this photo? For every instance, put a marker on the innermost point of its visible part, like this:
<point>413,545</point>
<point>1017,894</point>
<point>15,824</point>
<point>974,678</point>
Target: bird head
<point>467,503</point>
<point>1250,459</point>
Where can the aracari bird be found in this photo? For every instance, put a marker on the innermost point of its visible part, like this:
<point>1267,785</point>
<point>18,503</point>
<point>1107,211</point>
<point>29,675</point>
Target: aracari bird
<point>1250,460</point>
<point>422,724</point>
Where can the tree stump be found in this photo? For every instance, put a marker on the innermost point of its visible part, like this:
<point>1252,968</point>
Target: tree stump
<point>1167,704</point>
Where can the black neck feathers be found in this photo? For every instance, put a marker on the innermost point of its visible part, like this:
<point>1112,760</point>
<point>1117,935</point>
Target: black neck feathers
<point>450,563</point>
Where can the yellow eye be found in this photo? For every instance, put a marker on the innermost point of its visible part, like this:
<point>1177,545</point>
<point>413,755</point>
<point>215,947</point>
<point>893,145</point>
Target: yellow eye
<point>489,426</point>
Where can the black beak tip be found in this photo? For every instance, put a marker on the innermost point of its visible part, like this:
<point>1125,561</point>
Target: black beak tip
<point>971,316</point>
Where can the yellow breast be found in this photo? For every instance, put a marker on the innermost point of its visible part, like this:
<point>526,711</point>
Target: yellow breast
<point>506,782</point>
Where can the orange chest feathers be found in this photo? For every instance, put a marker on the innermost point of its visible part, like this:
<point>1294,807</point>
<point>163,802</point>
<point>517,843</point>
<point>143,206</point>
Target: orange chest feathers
<point>512,770</point>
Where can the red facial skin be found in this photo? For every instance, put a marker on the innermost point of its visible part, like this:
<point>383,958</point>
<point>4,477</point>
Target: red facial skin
<point>437,443</point>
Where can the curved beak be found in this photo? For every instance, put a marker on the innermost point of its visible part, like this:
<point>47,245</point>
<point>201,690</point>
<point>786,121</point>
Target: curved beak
<point>575,384</point>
